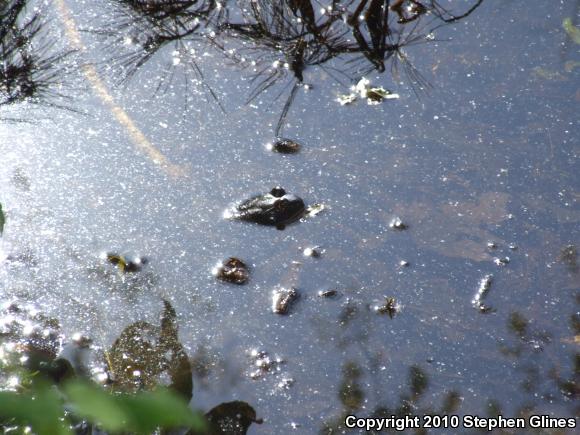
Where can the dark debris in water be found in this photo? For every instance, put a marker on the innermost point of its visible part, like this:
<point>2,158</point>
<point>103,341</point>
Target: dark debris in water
<point>231,418</point>
<point>25,257</point>
<point>389,306</point>
<point>332,293</point>
<point>284,146</point>
<point>530,338</point>
<point>232,270</point>
<point>282,299</point>
<point>569,256</point>
<point>263,363</point>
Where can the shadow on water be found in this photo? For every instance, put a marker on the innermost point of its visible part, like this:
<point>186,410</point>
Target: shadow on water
<point>141,29</point>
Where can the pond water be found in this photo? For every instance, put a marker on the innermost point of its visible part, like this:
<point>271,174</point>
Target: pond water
<point>478,157</point>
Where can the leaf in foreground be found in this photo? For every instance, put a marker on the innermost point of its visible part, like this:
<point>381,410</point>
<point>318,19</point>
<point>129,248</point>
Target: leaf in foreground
<point>41,410</point>
<point>141,413</point>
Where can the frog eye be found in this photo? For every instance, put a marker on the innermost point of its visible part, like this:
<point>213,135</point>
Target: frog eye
<point>278,192</point>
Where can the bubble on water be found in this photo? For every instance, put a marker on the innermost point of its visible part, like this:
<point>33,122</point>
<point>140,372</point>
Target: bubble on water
<point>397,224</point>
<point>312,252</point>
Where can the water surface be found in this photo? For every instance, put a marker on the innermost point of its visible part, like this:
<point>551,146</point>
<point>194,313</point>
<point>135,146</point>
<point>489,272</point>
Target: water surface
<point>489,153</point>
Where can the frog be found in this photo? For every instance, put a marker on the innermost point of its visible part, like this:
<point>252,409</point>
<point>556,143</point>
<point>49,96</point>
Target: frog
<point>276,208</point>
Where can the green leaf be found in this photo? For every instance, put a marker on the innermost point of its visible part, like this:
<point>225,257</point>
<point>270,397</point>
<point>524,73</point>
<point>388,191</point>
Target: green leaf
<point>160,408</point>
<point>572,31</point>
<point>141,413</point>
<point>40,409</point>
<point>96,405</point>
<point>2,220</point>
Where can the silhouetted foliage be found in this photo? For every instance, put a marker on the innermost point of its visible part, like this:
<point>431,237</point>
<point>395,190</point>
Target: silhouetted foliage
<point>277,42</point>
<point>29,69</point>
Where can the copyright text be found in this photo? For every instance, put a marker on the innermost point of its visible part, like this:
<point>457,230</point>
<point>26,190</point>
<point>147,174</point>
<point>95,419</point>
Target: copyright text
<point>454,421</point>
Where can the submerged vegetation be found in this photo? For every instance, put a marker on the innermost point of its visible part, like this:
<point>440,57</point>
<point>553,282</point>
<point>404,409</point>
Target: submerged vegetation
<point>572,30</point>
<point>143,382</point>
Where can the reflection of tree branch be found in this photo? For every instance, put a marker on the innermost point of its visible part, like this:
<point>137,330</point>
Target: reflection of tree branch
<point>283,36</point>
<point>440,11</point>
<point>27,70</point>
<point>416,9</point>
<point>276,38</point>
<point>148,26</point>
